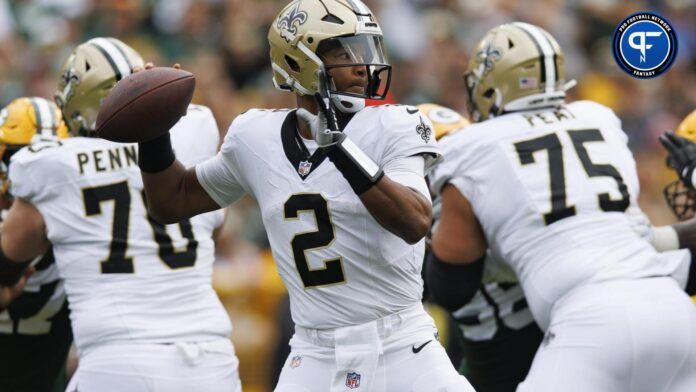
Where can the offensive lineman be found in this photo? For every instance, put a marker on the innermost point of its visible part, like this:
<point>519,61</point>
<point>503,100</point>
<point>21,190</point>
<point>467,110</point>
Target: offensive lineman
<point>499,335</point>
<point>144,314</point>
<point>544,186</point>
<point>343,200</point>
<point>35,333</point>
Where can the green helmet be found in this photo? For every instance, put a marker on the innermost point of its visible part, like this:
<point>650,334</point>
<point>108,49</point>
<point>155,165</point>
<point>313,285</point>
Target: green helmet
<point>516,66</point>
<point>87,76</point>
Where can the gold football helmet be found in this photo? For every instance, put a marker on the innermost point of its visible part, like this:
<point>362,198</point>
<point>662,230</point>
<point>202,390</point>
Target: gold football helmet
<point>87,76</point>
<point>445,120</point>
<point>22,121</point>
<point>306,29</point>
<point>516,66</point>
<point>679,197</point>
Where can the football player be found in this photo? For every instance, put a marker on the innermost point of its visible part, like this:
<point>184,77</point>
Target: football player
<point>544,185</point>
<point>499,334</point>
<point>143,312</point>
<point>343,197</point>
<point>35,333</point>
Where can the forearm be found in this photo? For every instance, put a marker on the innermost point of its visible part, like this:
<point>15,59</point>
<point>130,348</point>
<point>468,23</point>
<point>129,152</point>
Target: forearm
<point>173,192</point>
<point>399,209</point>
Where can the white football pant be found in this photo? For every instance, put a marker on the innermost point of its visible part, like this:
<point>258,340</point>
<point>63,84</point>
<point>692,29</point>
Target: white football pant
<point>618,336</point>
<point>210,366</point>
<point>397,353</point>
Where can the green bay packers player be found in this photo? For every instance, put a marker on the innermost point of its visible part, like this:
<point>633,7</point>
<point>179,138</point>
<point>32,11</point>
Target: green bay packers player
<point>143,312</point>
<point>499,335</point>
<point>544,185</point>
<point>343,197</point>
<point>35,333</point>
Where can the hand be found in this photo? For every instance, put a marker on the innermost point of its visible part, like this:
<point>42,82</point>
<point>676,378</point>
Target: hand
<point>322,125</point>
<point>9,293</point>
<point>640,223</point>
<point>150,65</point>
<point>682,156</point>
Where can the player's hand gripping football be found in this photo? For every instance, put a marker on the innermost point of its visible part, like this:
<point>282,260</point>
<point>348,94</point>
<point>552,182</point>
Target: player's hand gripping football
<point>682,156</point>
<point>323,125</point>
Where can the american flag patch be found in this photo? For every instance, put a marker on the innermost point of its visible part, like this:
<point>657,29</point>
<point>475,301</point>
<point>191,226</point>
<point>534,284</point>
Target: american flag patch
<point>528,83</point>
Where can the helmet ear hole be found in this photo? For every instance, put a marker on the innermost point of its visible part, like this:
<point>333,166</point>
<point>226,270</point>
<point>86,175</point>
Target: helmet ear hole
<point>488,93</point>
<point>87,66</point>
<point>292,63</point>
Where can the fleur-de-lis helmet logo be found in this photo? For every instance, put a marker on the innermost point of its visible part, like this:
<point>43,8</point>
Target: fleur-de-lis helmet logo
<point>288,23</point>
<point>487,57</point>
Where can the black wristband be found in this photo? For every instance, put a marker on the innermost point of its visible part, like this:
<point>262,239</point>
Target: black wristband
<point>450,285</point>
<point>156,155</point>
<point>358,169</point>
<point>11,271</point>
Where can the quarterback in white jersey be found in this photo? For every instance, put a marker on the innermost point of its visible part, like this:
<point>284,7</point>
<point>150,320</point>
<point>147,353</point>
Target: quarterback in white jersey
<point>344,201</point>
<point>544,186</point>
<point>144,314</point>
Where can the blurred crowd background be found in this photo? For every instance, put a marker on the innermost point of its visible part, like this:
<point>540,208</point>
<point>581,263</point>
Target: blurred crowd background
<point>223,42</point>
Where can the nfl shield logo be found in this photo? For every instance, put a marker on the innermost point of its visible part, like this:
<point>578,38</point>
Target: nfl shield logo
<point>353,380</point>
<point>296,361</point>
<point>305,167</point>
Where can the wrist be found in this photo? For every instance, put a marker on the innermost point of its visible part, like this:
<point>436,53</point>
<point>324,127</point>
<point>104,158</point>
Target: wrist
<point>665,238</point>
<point>156,155</point>
<point>359,170</point>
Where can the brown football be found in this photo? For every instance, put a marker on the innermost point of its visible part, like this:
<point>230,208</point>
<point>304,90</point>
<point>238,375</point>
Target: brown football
<point>145,105</point>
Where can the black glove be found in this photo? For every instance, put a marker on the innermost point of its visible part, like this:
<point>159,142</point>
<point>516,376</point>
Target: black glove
<point>682,156</point>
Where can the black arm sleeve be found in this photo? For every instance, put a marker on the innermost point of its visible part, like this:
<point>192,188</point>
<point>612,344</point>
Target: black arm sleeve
<point>11,271</point>
<point>452,286</point>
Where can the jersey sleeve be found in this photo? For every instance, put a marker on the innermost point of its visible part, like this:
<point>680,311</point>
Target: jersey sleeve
<point>409,172</point>
<point>196,136</point>
<point>22,182</point>
<point>220,176</point>
<point>454,168</point>
<point>408,133</point>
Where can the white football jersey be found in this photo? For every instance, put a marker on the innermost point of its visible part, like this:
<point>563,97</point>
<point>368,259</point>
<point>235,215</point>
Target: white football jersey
<point>339,265</point>
<point>127,277</point>
<point>550,189</point>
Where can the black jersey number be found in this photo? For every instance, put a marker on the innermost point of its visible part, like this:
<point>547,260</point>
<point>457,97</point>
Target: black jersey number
<point>552,144</point>
<point>117,262</point>
<point>323,236</point>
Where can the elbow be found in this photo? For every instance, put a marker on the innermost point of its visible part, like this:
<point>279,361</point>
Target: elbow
<point>416,229</point>
<point>162,215</point>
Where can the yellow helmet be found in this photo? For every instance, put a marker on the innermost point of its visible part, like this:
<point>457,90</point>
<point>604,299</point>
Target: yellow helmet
<point>445,120</point>
<point>306,29</point>
<point>23,120</point>
<point>680,198</point>
<point>87,76</point>
<point>516,66</point>
<point>687,128</point>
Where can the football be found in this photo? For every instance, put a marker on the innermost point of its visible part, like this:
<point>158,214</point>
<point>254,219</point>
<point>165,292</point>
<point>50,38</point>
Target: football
<point>145,105</point>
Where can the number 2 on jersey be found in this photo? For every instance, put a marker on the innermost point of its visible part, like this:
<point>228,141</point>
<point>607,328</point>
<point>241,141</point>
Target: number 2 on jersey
<point>313,240</point>
<point>552,144</point>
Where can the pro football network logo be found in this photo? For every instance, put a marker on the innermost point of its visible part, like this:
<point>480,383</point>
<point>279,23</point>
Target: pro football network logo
<point>644,45</point>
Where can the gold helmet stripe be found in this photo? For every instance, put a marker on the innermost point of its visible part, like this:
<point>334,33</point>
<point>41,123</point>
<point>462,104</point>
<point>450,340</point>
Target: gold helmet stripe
<point>113,54</point>
<point>549,72</point>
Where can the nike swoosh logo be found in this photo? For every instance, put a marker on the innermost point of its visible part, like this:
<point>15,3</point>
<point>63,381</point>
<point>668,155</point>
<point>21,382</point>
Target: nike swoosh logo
<point>416,350</point>
<point>412,111</point>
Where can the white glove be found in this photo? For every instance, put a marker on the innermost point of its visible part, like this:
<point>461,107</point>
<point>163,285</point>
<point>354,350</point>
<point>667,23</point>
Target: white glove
<point>323,133</point>
<point>640,223</point>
